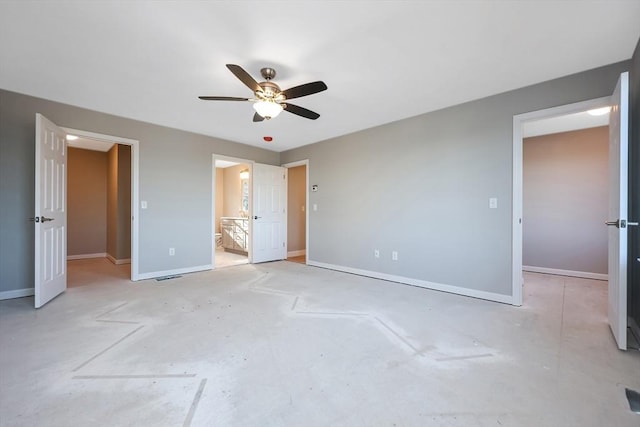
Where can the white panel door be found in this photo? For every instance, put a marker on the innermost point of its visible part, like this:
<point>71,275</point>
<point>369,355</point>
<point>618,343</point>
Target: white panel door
<point>269,213</point>
<point>618,170</point>
<point>50,211</point>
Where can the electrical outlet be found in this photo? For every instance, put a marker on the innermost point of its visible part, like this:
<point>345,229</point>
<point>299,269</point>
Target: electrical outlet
<point>376,253</point>
<point>394,255</point>
<point>172,251</point>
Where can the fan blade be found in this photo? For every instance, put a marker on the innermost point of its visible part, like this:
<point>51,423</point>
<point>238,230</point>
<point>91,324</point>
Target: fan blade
<point>303,112</point>
<point>244,77</point>
<point>222,98</point>
<point>304,90</point>
<point>257,117</point>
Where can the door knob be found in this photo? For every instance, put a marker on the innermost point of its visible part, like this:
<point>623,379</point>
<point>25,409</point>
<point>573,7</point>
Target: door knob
<point>256,217</point>
<point>615,223</point>
<point>45,219</point>
<point>621,223</point>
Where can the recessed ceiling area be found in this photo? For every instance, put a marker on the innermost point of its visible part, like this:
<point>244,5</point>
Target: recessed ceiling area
<point>382,61</point>
<point>90,144</point>
<point>225,163</point>
<point>566,123</point>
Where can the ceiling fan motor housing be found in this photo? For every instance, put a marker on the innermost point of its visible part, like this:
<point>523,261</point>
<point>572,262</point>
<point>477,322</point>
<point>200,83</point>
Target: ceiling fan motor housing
<point>268,73</point>
<point>270,91</point>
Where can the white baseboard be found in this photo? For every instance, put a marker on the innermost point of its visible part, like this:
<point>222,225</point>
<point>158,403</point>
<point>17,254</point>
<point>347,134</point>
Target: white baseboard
<point>155,274</point>
<point>296,253</point>
<point>18,293</point>
<point>570,273</point>
<point>490,296</point>
<point>118,261</point>
<point>86,256</point>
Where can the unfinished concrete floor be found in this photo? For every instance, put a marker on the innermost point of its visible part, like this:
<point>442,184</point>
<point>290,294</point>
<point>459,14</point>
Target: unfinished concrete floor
<point>285,344</point>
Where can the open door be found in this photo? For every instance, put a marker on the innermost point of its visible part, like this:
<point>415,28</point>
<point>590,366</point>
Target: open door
<point>269,213</point>
<point>50,211</point>
<point>618,171</point>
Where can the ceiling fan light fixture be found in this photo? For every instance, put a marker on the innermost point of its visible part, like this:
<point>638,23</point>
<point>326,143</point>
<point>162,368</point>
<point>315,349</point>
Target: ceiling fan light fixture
<point>267,109</point>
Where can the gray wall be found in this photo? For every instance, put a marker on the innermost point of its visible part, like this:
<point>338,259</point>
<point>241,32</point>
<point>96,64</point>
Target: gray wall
<point>175,180</point>
<point>565,200</point>
<point>86,202</point>
<point>296,217</point>
<point>421,186</point>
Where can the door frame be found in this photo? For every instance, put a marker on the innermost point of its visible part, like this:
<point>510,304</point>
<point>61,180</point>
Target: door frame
<point>135,188</point>
<point>517,279</point>
<point>250,163</point>
<point>304,162</point>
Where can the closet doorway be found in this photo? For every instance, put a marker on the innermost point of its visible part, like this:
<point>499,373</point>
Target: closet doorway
<point>297,211</point>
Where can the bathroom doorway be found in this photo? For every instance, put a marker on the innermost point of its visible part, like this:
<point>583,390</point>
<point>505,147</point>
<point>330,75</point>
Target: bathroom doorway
<point>231,210</point>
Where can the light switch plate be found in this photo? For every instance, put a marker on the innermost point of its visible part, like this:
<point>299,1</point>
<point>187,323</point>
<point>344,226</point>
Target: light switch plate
<point>493,203</point>
<point>143,204</point>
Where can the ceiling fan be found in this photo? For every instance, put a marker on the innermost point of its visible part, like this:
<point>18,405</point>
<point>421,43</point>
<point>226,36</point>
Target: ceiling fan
<point>269,100</point>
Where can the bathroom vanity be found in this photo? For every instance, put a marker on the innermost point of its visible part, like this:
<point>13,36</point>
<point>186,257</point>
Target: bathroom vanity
<point>235,234</point>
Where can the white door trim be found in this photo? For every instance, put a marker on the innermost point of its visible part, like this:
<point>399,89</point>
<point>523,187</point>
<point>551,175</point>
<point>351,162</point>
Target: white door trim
<point>135,189</point>
<point>215,157</point>
<point>516,219</point>
<point>304,162</point>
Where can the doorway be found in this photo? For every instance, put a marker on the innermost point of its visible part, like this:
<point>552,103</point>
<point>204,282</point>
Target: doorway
<point>98,208</point>
<point>566,195</point>
<point>517,214</point>
<point>231,211</point>
<point>297,211</point>
<point>119,217</point>
<point>617,203</point>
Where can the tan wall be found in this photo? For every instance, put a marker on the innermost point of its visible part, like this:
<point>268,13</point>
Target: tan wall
<point>86,202</point>
<point>124,202</point>
<point>296,205</point>
<point>219,197</point>
<point>232,190</point>
<point>119,202</point>
<point>112,202</point>
<point>565,200</point>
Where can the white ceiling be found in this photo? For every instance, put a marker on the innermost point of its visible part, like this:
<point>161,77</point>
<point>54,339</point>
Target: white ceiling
<point>566,123</point>
<point>225,163</point>
<point>91,144</point>
<point>382,60</point>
